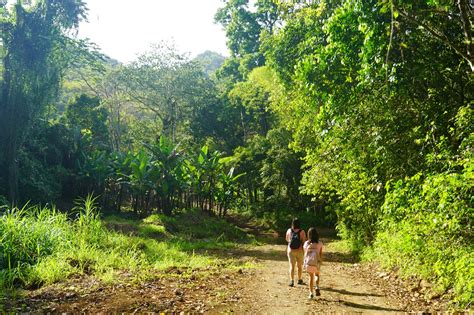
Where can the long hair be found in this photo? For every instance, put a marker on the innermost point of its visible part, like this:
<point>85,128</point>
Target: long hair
<point>313,235</point>
<point>295,224</point>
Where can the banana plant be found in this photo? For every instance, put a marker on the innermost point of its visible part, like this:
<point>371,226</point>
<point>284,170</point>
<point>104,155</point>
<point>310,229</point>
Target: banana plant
<point>228,189</point>
<point>118,181</point>
<point>93,171</point>
<point>144,173</point>
<point>206,169</point>
<point>169,182</point>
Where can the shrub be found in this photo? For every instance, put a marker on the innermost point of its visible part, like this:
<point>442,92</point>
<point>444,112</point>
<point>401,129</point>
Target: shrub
<point>426,230</point>
<point>29,234</point>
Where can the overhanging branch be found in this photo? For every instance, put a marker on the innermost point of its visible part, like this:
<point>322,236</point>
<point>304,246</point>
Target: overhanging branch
<point>439,36</point>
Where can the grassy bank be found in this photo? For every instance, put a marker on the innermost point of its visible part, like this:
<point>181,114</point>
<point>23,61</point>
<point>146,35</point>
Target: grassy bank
<point>41,245</point>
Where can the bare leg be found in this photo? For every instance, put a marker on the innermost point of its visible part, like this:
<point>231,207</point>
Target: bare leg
<point>300,267</point>
<point>311,282</point>
<point>292,269</point>
<point>318,293</point>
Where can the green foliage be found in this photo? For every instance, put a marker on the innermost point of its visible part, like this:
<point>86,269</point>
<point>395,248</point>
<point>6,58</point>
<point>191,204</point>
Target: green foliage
<point>160,177</point>
<point>345,114</point>
<point>35,55</point>
<point>273,170</point>
<point>42,182</point>
<point>244,25</point>
<point>439,249</point>
<point>190,226</point>
<point>165,85</point>
<point>86,117</point>
<point>41,246</point>
<point>46,162</point>
<point>281,218</point>
<point>28,235</point>
<point>382,125</point>
<point>3,202</point>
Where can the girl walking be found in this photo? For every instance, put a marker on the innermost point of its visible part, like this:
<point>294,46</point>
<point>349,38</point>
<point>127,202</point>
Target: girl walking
<point>313,257</point>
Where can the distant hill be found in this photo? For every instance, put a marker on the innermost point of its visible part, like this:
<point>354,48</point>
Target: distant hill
<point>210,60</point>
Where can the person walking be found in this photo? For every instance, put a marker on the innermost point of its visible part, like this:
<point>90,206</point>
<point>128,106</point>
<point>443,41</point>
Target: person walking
<point>295,237</point>
<point>313,257</point>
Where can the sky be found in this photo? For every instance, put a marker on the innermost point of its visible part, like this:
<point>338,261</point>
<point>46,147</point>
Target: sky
<point>125,28</point>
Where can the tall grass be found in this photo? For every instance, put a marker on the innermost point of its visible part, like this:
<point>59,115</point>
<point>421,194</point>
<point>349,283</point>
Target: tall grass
<point>40,245</point>
<point>27,235</point>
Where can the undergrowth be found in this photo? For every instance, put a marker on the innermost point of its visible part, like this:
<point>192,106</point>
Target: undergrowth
<point>280,220</point>
<point>40,246</point>
<point>426,231</point>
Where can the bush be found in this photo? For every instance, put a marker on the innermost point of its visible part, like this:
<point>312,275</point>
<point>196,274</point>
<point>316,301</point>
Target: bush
<point>426,230</point>
<point>29,234</point>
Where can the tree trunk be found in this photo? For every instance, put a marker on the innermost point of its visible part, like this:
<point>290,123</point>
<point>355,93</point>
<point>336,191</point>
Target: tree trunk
<point>12,173</point>
<point>167,206</point>
<point>10,147</point>
<point>135,204</point>
<point>119,199</point>
<point>11,134</point>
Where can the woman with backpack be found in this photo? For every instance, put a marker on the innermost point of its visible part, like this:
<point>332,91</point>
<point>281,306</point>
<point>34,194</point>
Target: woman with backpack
<point>295,237</point>
<point>313,255</point>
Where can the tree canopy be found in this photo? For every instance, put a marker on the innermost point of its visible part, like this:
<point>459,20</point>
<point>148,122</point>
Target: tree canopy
<point>351,114</point>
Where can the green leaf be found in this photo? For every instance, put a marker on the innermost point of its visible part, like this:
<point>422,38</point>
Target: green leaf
<point>205,150</point>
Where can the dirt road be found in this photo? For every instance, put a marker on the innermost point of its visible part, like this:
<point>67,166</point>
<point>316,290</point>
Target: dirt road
<point>346,287</point>
<point>267,291</point>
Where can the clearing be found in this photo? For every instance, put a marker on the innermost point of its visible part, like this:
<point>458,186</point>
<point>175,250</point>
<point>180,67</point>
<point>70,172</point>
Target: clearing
<point>346,287</point>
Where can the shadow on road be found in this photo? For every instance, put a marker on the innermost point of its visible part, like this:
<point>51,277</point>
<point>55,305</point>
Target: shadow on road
<point>370,307</point>
<point>338,257</point>
<point>342,291</point>
<point>276,253</point>
<point>359,306</point>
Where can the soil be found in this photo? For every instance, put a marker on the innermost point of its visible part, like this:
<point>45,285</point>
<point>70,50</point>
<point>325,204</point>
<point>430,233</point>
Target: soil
<point>346,287</point>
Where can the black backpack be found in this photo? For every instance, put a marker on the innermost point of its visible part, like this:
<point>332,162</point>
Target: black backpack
<point>295,241</point>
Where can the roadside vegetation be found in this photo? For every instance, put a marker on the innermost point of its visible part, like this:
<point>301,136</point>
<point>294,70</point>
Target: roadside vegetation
<point>40,246</point>
<point>351,114</point>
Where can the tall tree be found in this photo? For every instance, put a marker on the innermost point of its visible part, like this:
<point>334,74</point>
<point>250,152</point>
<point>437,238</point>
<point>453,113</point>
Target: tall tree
<point>244,26</point>
<point>370,101</point>
<point>167,84</point>
<point>34,42</point>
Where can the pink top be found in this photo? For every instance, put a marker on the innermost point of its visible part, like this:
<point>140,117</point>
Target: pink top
<point>302,237</point>
<point>319,247</point>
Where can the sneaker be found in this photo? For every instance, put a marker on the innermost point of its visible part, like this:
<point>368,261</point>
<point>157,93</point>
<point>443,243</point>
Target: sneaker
<point>292,283</point>
<point>310,297</point>
<point>318,293</point>
<point>300,281</point>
